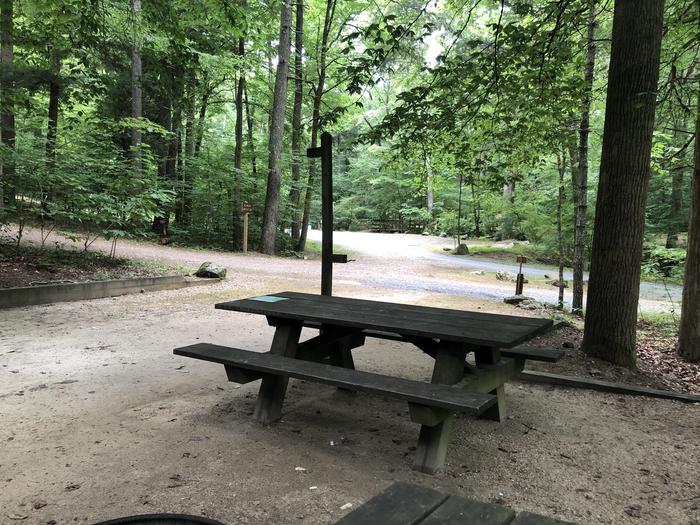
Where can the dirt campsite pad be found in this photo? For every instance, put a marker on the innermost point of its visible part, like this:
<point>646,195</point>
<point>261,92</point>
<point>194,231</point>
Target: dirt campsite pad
<point>100,420</point>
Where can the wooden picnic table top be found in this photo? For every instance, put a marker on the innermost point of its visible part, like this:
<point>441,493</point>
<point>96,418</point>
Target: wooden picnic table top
<point>477,328</point>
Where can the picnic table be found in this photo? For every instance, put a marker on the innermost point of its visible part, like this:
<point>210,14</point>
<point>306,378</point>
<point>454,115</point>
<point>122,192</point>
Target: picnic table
<point>448,336</point>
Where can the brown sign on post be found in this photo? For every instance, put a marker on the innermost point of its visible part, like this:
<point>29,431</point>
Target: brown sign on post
<point>521,259</point>
<point>247,207</point>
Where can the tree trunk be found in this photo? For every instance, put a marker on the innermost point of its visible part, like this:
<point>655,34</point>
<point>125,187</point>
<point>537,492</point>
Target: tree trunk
<point>315,121</point>
<point>165,120</point>
<point>251,135</point>
<point>295,192</point>
<point>675,220</point>
<point>136,87</point>
<point>52,127</point>
<point>201,121</point>
<point>618,234</point>
<point>689,334</point>
<point>238,154</point>
<point>274,147</point>
<point>7,103</point>
<point>190,141</point>
<point>561,165</point>
<point>429,196</point>
<point>581,178</point>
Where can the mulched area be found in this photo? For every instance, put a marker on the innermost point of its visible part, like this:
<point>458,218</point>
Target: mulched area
<point>658,364</point>
<point>32,266</point>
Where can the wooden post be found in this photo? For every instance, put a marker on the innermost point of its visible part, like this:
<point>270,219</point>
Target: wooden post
<point>247,208</point>
<point>433,440</point>
<point>268,408</point>
<point>325,152</point>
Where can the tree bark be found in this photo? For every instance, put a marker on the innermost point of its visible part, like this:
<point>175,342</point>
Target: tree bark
<point>136,87</point>
<point>54,103</point>
<point>274,147</point>
<point>202,120</point>
<point>581,178</point>
<point>675,219</point>
<point>316,121</point>
<point>689,333</point>
<point>7,116</point>
<point>238,154</point>
<point>295,191</point>
<point>251,135</point>
<point>190,142</point>
<point>618,234</point>
<point>561,165</point>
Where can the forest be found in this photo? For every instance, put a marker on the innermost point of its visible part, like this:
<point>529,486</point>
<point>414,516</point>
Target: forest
<point>567,124</point>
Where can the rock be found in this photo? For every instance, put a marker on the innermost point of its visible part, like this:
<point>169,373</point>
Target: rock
<point>517,299</point>
<point>560,284</point>
<point>461,250</point>
<point>425,233</point>
<point>211,270</point>
<point>464,237</point>
<point>567,344</point>
<point>478,272</point>
<point>531,304</point>
<point>443,235</point>
<point>446,248</point>
<point>547,276</point>
<point>506,276</point>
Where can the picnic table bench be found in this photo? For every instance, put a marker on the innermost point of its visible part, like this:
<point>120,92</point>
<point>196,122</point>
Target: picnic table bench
<point>406,504</point>
<point>344,324</point>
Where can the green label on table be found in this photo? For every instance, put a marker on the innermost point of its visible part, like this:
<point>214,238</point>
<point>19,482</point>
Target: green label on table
<point>268,298</point>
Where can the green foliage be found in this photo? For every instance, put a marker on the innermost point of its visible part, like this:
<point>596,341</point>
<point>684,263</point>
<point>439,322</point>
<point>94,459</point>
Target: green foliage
<point>662,262</point>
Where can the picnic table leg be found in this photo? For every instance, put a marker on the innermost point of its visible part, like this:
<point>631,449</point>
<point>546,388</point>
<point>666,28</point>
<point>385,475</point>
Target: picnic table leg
<point>268,408</point>
<point>499,411</point>
<point>433,440</point>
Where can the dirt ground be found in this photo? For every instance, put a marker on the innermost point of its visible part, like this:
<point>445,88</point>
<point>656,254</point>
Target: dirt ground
<point>100,420</point>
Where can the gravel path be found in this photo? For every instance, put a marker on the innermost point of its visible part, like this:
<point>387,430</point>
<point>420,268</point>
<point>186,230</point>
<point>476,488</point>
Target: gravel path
<point>101,420</point>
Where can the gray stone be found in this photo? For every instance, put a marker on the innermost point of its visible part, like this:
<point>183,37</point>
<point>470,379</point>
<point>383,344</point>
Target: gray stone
<point>477,272</point>
<point>461,249</point>
<point>517,299</point>
<point>506,276</point>
<point>211,270</point>
<point>443,235</point>
<point>531,304</point>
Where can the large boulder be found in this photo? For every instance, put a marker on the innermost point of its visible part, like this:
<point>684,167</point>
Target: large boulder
<point>461,249</point>
<point>211,270</point>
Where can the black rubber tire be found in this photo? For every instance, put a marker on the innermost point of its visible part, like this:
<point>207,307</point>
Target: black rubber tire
<point>161,519</point>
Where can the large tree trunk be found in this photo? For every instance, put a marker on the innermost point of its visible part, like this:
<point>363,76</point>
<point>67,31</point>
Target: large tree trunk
<point>618,234</point>
<point>274,147</point>
<point>315,121</point>
<point>7,116</point>
<point>689,334</point>
<point>136,88</point>
<point>581,178</point>
<point>295,191</point>
<point>238,154</point>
